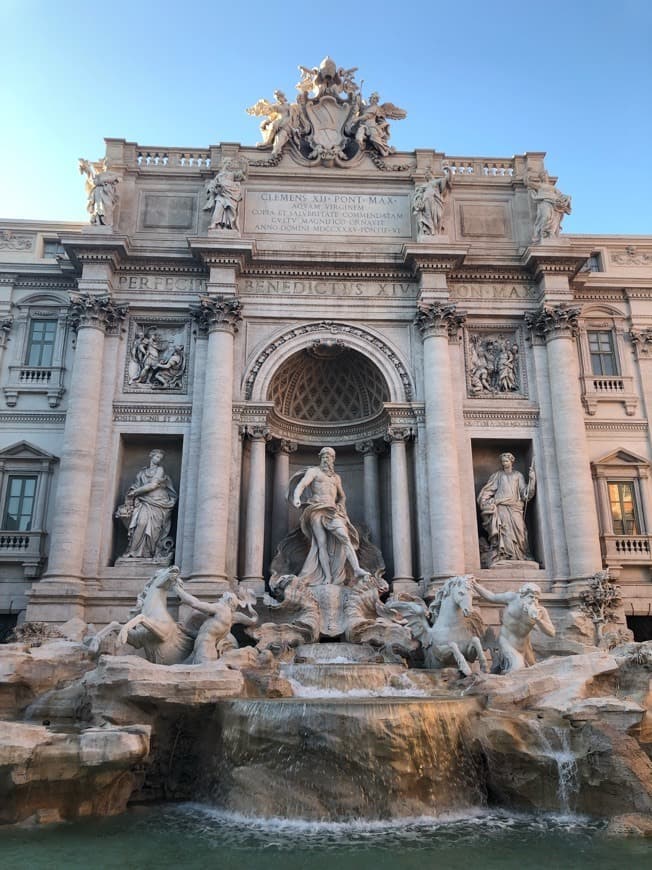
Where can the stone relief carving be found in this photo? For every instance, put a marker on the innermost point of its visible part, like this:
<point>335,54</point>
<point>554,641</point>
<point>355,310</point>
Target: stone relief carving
<point>157,358</point>
<point>330,122</point>
<point>147,514</point>
<point>101,190</point>
<point>168,642</point>
<point>224,193</point>
<point>450,630</point>
<point>502,502</point>
<point>551,205</point>
<point>631,257</point>
<point>600,601</point>
<point>428,203</point>
<point>521,616</point>
<point>493,366</point>
<point>9,241</point>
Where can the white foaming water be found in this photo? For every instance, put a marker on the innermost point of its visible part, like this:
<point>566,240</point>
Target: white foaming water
<point>301,691</point>
<point>566,763</point>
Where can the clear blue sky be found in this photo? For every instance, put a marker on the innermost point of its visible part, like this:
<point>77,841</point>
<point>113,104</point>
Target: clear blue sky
<point>486,78</point>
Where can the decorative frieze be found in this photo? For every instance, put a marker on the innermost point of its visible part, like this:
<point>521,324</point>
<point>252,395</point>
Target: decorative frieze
<point>10,241</point>
<point>96,312</point>
<point>553,321</point>
<point>217,313</point>
<point>438,319</point>
<point>502,418</point>
<point>631,256</point>
<point>131,413</point>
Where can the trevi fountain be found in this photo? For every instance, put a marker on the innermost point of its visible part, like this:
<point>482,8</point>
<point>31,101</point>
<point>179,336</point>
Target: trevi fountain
<point>241,684</point>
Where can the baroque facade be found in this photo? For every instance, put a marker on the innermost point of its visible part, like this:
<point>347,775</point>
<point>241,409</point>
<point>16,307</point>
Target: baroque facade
<point>168,367</point>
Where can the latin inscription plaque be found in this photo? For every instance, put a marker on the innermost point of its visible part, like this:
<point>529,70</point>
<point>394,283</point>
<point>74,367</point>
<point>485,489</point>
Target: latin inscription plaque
<point>336,214</point>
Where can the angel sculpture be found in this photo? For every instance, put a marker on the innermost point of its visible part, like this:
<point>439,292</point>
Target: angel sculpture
<point>282,121</point>
<point>372,125</point>
<point>454,639</point>
<point>101,191</point>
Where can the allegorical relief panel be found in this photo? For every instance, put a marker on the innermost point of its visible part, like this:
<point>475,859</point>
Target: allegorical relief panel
<point>157,356</point>
<point>494,365</point>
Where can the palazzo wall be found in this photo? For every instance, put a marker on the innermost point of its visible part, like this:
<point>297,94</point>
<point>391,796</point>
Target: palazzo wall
<point>329,307</point>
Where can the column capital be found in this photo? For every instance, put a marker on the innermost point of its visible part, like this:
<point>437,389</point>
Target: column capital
<point>88,310</point>
<point>6,322</point>
<point>217,313</point>
<point>367,447</point>
<point>642,341</point>
<point>554,321</point>
<point>437,319</point>
<point>398,434</point>
<point>257,433</point>
<point>282,445</point>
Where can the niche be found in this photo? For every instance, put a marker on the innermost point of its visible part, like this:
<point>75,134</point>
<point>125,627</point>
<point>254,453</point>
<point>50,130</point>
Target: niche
<point>134,456</point>
<point>486,461</point>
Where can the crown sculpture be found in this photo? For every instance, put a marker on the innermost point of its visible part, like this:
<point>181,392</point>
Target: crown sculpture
<point>330,122</point>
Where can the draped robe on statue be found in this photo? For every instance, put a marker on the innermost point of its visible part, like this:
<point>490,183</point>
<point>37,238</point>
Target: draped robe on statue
<point>502,502</point>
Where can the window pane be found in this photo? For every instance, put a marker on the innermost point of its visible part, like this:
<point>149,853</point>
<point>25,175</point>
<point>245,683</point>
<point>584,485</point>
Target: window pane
<point>40,347</point>
<point>603,355</point>
<point>624,513</point>
<point>20,503</point>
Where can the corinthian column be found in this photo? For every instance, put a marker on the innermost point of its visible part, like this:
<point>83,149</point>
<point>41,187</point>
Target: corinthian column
<point>371,489</point>
<point>437,323</point>
<point>401,533</point>
<point>91,316</point>
<point>558,325</point>
<point>281,450</point>
<point>255,516</point>
<point>219,316</point>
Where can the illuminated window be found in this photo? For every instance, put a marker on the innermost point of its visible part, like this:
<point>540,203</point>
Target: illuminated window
<point>624,513</point>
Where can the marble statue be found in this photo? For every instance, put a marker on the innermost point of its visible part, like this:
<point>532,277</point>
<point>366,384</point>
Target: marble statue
<point>369,621</point>
<point>428,203</point>
<point>297,617</point>
<point>454,638</point>
<point>522,614</point>
<point>324,521</point>
<point>551,205</point>
<point>330,122</point>
<point>147,513</point>
<point>101,189</point>
<point>282,120</point>
<point>493,365</point>
<point>372,126</point>
<point>165,641</point>
<point>214,637</point>
<point>503,501</point>
<point>224,193</point>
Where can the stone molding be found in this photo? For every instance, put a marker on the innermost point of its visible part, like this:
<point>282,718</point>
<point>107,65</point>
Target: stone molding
<point>439,320</point>
<point>37,418</point>
<point>142,413</point>
<point>217,314</point>
<point>501,418</point>
<point>335,329</point>
<point>95,312</point>
<point>554,321</point>
<point>616,426</point>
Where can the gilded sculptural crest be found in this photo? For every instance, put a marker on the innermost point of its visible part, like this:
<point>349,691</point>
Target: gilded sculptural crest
<point>330,122</point>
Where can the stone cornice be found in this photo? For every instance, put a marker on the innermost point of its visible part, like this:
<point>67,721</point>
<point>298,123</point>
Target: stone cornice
<point>501,417</point>
<point>217,313</point>
<point>438,319</point>
<point>490,273</point>
<point>97,247</point>
<point>326,271</point>
<point>433,258</point>
<point>214,251</point>
<point>547,259</point>
<point>554,321</point>
<point>95,312</point>
<point>188,267</point>
<point>128,412</point>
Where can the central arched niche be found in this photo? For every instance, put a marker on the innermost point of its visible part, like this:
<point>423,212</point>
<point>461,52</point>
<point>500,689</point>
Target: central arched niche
<point>328,384</point>
<point>332,395</point>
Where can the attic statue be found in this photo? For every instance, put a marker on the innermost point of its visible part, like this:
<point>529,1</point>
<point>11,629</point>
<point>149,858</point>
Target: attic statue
<point>165,641</point>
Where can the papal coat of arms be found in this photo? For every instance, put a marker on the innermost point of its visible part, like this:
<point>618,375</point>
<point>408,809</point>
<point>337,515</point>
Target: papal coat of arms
<point>330,122</point>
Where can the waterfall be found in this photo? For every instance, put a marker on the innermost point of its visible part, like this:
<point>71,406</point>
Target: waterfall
<point>565,761</point>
